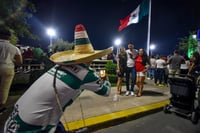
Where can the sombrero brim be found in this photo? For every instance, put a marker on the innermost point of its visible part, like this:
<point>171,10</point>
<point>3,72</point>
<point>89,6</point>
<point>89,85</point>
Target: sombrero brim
<point>70,57</point>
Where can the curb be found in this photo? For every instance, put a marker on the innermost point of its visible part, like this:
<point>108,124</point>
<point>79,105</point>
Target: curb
<point>106,120</point>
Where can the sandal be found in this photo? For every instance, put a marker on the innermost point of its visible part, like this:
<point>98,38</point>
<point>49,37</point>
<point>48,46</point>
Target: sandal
<point>119,92</point>
<point>139,95</point>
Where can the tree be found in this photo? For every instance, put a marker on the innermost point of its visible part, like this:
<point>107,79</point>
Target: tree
<point>111,68</point>
<point>183,44</point>
<point>60,45</point>
<point>192,44</point>
<point>188,44</point>
<point>14,14</point>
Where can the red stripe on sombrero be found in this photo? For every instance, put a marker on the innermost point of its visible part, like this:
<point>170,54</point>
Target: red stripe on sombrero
<point>79,27</point>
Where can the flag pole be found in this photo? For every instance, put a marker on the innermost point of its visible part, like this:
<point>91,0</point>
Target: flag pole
<point>149,28</point>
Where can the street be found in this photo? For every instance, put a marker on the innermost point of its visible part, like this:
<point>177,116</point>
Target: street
<point>155,123</point>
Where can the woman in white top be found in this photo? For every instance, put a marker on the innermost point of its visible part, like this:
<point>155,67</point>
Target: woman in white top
<point>9,56</point>
<point>185,66</point>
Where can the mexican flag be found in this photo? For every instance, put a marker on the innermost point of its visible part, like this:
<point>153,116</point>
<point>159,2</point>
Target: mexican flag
<point>135,16</point>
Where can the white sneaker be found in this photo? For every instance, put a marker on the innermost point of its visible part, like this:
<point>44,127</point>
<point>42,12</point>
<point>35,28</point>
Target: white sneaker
<point>127,93</point>
<point>132,93</point>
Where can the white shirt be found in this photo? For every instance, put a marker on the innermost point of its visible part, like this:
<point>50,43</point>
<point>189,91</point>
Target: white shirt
<point>153,62</point>
<point>160,63</point>
<point>7,54</point>
<point>131,57</point>
<point>186,65</point>
<point>38,105</point>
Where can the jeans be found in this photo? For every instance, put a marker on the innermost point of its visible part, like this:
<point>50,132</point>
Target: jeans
<point>159,75</point>
<point>151,73</point>
<point>132,71</point>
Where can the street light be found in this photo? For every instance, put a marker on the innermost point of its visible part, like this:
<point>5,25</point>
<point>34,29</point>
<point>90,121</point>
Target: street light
<point>117,43</point>
<point>152,47</point>
<point>51,33</point>
<point>194,36</point>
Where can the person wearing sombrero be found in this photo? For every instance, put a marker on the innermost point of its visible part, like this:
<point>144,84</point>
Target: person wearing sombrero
<point>39,109</point>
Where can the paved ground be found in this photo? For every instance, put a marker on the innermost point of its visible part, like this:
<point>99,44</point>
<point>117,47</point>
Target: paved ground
<point>98,111</point>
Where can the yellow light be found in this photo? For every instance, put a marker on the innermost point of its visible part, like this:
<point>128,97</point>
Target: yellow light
<point>102,73</point>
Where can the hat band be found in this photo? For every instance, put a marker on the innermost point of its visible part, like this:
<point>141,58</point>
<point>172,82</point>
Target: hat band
<point>82,41</point>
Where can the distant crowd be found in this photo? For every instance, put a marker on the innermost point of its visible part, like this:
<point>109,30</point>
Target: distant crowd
<point>32,55</point>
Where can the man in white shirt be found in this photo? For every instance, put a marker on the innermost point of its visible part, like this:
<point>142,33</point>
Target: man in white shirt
<point>131,54</point>
<point>152,68</point>
<point>160,69</point>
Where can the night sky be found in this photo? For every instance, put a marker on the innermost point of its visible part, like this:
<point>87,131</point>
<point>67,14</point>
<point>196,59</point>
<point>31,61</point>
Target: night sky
<point>170,20</point>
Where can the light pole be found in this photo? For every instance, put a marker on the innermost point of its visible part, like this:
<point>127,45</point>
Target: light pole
<point>51,33</point>
<point>152,47</point>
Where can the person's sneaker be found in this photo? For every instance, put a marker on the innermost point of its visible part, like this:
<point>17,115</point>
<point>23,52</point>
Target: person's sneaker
<point>160,85</point>
<point>132,93</point>
<point>127,93</point>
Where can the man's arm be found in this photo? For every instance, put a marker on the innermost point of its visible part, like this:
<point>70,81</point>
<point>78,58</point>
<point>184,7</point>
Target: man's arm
<point>169,61</point>
<point>18,59</point>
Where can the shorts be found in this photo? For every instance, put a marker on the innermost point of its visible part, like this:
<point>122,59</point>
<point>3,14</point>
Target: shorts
<point>142,74</point>
<point>121,74</point>
<point>174,72</point>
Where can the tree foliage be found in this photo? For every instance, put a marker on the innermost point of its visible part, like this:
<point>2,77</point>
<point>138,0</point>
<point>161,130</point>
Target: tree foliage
<point>188,44</point>
<point>60,45</point>
<point>111,71</point>
<point>111,67</point>
<point>183,44</point>
<point>14,14</point>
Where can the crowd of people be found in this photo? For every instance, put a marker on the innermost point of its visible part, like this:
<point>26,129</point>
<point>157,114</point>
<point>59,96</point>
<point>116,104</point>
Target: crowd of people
<point>32,55</point>
<point>157,68</point>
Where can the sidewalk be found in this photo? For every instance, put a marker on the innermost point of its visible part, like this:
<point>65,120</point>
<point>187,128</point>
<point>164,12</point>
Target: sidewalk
<point>100,112</point>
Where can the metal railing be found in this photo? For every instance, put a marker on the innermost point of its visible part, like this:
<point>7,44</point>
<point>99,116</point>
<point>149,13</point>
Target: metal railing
<point>99,64</point>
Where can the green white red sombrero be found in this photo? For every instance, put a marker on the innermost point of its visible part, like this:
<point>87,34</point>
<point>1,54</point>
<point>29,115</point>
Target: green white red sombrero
<point>83,51</point>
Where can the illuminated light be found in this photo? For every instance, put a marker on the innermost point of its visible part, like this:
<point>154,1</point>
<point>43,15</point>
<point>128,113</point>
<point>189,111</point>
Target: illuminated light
<point>102,73</point>
<point>118,42</point>
<point>51,33</point>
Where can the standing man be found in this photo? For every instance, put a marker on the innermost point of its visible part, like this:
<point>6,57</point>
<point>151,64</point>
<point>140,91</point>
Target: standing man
<point>175,62</point>
<point>160,71</point>
<point>9,54</point>
<point>131,54</point>
<point>151,71</point>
